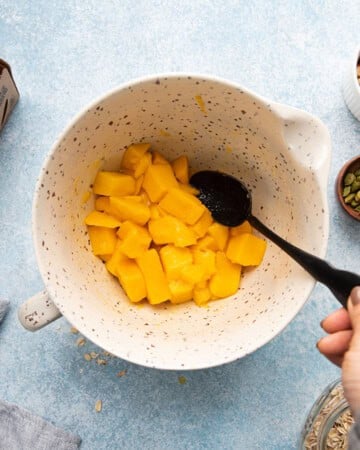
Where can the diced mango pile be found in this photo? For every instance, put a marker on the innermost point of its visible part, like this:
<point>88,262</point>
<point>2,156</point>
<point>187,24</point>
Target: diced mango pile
<point>159,240</point>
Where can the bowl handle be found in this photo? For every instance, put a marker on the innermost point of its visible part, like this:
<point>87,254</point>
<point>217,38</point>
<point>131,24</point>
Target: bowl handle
<point>306,137</point>
<point>38,311</point>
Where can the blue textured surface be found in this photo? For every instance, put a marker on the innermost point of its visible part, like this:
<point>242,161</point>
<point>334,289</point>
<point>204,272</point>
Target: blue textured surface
<point>63,57</point>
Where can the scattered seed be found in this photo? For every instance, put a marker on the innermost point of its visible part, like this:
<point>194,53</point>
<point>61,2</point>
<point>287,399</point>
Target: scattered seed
<point>98,406</point>
<point>94,355</point>
<point>182,379</point>
<point>73,330</point>
<point>87,357</point>
<point>80,342</point>
<point>121,373</point>
<point>101,362</point>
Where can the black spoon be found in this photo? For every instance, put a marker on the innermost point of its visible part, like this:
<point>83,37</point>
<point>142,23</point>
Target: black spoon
<point>229,202</point>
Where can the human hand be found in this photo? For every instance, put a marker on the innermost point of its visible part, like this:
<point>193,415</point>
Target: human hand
<point>342,346</point>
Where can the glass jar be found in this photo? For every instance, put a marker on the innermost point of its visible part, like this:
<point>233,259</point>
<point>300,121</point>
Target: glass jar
<point>329,421</point>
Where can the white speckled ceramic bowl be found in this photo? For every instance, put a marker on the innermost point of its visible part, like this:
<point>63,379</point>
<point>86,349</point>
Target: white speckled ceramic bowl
<point>281,153</point>
<point>351,88</point>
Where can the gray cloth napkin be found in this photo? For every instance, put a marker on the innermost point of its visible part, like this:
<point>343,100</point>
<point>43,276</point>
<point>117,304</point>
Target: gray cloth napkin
<point>22,430</point>
<point>354,437</point>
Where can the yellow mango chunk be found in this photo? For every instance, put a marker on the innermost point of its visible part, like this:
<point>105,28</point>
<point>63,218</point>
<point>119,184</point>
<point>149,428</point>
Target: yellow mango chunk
<point>158,179</point>
<point>113,184</point>
<point>105,258</point>
<point>155,280</point>
<point>156,212</point>
<point>170,230</point>
<point>205,258</point>
<point>131,280</point>
<point>226,280</point>
<point>201,226</point>
<point>102,240</point>
<point>193,274</point>
<point>174,259</point>
<point>132,156</point>
<point>180,291</point>
<point>207,242</point>
<point>130,208</point>
<point>189,189</point>
<point>201,295</point>
<point>138,184</point>
<point>101,219</point>
<point>245,227</point>
<point>158,158</point>
<point>135,239</point>
<point>182,205</point>
<point>181,169</point>
<point>246,249</point>
<point>220,233</point>
<point>102,204</point>
<point>112,264</point>
<point>142,165</point>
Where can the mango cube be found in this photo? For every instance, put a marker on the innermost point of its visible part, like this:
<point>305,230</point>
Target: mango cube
<point>245,227</point>
<point>130,208</point>
<point>102,204</point>
<point>226,280</point>
<point>174,259</point>
<point>113,184</point>
<point>220,233</point>
<point>158,158</point>
<point>181,169</point>
<point>138,184</point>
<point>112,264</point>
<point>101,219</point>
<point>102,240</point>
<point>189,189</point>
<point>131,280</point>
<point>207,242</point>
<point>246,249</point>
<point>182,205</point>
<point>201,226</point>
<point>155,280</point>
<point>201,295</point>
<point>170,230</point>
<point>180,291</point>
<point>193,274</point>
<point>132,156</point>
<point>158,179</point>
<point>205,258</point>
<point>142,165</point>
<point>135,239</point>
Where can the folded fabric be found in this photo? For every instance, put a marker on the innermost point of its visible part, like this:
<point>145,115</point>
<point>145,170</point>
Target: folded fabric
<point>354,436</point>
<point>22,430</point>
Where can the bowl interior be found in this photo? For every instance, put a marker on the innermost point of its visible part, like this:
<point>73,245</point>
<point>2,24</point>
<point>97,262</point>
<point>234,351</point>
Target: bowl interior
<point>219,126</point>
<point>350,166</point>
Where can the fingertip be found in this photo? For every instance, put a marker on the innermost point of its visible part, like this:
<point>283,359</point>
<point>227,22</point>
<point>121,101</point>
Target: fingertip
<point>355,296</point>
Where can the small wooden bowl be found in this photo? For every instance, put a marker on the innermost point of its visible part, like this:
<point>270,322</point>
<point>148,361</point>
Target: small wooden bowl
<point>350,166</point>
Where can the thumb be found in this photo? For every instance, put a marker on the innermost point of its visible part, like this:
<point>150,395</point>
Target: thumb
<point>351,363</point>
<point>354,313</point>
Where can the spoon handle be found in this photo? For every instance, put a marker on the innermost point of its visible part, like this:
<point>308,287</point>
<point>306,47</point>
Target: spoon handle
<point>340,282</point>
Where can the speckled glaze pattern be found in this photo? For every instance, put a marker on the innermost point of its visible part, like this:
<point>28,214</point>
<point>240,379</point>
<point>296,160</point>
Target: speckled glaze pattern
<point>277,151</point>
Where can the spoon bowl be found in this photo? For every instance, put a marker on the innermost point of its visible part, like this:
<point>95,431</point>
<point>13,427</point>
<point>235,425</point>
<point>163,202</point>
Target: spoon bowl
<point>229,202</point>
